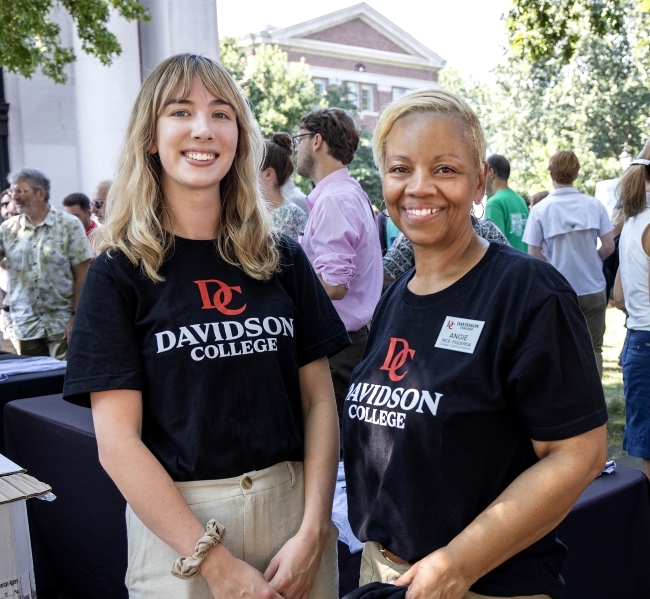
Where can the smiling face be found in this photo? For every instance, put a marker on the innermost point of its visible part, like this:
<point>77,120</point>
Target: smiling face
<point>431,179</point>
<point>196,140</point>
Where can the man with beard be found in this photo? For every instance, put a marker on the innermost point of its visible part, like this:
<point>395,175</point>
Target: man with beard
<point>341,237</point>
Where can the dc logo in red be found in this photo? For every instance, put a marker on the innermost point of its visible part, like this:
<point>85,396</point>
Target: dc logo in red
<point>450,324</point>
<point>398,352</point>
<point>220,299</point>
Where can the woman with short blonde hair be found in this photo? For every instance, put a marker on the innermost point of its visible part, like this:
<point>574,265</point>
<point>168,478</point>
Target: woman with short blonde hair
<point>476,416</point>
<point>201,343</point>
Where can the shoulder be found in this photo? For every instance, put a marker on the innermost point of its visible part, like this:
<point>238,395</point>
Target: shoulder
<point>11,225</point>
<point>522,271</point>
<point>291,253</point>
<point>67,222</point>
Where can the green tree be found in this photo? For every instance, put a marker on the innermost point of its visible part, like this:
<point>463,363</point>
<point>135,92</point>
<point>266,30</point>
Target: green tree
<point>542,30</point>
<point>30,39</point>
<point>279,92</point>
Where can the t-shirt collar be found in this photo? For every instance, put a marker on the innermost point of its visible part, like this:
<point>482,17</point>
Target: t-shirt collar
<point>337,175</point>
<point>563,191</point>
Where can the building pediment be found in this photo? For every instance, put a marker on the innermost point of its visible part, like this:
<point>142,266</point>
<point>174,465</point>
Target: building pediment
<point>357,32</point>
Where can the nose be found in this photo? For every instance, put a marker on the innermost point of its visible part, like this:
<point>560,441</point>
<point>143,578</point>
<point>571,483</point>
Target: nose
<point>420,184</point>
<point>201,129</point>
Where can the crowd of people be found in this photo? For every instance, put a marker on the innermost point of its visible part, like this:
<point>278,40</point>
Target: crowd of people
<point>233,344</point>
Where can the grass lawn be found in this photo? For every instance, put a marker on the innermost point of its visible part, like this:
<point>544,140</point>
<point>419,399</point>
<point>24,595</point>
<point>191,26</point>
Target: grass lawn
<point>613,380</point>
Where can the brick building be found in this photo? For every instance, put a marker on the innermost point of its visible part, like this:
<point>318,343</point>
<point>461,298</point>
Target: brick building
<point>362,50</point>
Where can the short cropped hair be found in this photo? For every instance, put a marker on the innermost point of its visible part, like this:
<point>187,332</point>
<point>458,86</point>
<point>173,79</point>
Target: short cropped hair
<point>433,100</point>
<point>34,177</point>
<point>337,128</point>
<point>564,167</point>
<point>500,165</point>
<point>77,199</point>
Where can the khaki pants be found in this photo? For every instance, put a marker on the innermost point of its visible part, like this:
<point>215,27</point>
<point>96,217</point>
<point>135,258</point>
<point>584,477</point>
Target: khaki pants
<point>54,346</point>
<point>376,568</point>
<point>260,510</point>
<point>594,308</point>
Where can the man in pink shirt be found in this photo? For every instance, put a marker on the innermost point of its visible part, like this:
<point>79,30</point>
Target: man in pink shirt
<point>341,237</point>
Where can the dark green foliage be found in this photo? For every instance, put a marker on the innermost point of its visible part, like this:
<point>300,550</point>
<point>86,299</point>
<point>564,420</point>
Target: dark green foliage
<point>30,39</point>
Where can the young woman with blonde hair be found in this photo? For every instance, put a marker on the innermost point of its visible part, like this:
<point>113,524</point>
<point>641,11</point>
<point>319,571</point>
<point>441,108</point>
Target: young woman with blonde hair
<point>201,342</point>
<point>632,294</point>
<point>476,416</point>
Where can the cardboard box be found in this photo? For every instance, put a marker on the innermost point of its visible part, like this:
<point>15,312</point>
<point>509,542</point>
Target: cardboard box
<point>16,568</point>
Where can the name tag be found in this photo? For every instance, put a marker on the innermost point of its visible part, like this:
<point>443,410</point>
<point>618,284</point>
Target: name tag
<point>460,334</point>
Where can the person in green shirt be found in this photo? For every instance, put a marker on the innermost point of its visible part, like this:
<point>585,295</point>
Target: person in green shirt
<point>505,208</point>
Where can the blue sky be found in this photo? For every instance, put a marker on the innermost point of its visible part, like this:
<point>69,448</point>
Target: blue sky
<point>469,34</point>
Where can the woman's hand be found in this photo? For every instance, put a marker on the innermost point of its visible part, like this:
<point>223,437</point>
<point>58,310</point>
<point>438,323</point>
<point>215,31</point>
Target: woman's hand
<point>293,569</point>
<point>232,578</point>
<point>435,577</point>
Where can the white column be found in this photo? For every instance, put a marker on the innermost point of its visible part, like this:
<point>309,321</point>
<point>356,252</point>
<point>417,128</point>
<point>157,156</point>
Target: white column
<point>178,26</point>
<point>105,97</point>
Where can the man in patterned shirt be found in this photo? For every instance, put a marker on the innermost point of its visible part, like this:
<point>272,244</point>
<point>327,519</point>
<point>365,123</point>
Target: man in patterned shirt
<point>47,256</point>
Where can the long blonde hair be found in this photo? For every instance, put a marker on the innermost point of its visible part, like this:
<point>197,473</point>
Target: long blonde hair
<point>135,209</point>
<point>429,100</point>
<point>631,189</point>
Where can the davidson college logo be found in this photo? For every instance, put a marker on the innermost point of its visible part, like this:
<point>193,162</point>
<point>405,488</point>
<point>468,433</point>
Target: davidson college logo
<point>398,352</point>
<point>221,297</point>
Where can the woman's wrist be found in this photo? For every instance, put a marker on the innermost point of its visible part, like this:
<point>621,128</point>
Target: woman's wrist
<point>213,563</point>
<point>316,532</point>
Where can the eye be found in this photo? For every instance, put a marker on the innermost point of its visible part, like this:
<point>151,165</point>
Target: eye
<point>398,169</point>
<point>179,113</point>
<point>221,115</point>
<point>445,170</point>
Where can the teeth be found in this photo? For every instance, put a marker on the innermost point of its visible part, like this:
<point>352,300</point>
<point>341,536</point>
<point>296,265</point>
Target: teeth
<point>199,156</point>
<point>423,211</point>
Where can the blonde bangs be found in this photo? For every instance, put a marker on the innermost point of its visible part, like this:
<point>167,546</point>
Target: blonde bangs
<point>135,209</point>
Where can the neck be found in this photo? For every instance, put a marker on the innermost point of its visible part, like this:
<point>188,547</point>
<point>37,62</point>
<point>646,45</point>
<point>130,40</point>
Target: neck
<point>498,185</point>
<point>274,198</point>
<point>557,185</point>
<point>192,215</point>
<point>325,168</point>
<point>38,216</point>
<point>436,268</point>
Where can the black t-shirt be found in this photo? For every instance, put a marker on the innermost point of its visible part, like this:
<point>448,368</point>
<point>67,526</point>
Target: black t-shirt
<point>214,352</point>
<point>442,408</point>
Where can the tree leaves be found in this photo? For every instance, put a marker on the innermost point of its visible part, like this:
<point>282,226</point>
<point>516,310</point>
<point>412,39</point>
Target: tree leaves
<point>30,37</point>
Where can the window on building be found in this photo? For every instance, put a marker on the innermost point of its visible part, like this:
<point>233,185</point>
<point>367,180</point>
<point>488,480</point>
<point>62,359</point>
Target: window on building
<point>366,97</point>
<point>320,85</point>
<point>352,92</point>
<point>398,92</point>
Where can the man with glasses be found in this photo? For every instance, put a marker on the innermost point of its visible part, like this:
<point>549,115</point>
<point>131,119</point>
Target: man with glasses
<point>99,200</point>
<point>47,256</point>
<point>341,237</point>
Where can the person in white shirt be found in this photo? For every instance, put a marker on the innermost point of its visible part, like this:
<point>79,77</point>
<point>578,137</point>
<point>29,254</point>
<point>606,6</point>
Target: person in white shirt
<point>564,230</point>
<point>632,294</point>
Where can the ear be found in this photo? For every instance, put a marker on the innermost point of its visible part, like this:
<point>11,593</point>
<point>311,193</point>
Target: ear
<point>268,174</point>
<point>153,148</point>
<point>480,188</point>
<point>318,142</point>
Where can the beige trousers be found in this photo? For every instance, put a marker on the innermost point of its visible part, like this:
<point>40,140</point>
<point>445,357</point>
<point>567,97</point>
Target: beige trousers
<point>54,346</point>
<point>261,510</point>
<point>376,568</point>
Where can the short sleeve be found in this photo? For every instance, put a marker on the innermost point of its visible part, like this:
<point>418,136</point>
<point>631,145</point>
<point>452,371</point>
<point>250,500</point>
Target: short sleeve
<point>79,249</point>
<point>606,225</point>
<point>552,378</point>
<point>533,233</point>
<point>319,329</point>
<point>104,350</point>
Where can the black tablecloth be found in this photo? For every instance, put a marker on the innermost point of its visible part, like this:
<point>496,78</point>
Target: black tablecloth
<point>20,386</point>
<point>83,532</point>
<point>607,535</point>
<point>78,540</point>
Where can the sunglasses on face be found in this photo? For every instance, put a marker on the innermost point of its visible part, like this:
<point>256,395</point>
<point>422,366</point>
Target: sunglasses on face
<point>98,203</point>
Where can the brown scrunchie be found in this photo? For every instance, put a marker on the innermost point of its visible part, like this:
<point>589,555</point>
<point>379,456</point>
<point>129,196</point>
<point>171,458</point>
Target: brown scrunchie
<point>188,567</point>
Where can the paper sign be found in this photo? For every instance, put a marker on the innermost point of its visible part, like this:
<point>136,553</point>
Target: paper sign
<point>460,334</point>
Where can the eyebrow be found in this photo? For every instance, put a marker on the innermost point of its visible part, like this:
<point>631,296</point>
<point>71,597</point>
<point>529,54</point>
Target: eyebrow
<point>215,102</point>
